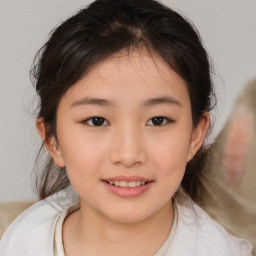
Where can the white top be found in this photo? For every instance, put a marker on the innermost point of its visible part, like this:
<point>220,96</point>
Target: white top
<point>38,230</point>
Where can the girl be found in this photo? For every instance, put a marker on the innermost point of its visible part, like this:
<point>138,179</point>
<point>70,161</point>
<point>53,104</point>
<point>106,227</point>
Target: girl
<point>125,94</point>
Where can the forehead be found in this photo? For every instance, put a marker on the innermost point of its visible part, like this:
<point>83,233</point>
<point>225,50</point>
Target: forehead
<point>134,76</point>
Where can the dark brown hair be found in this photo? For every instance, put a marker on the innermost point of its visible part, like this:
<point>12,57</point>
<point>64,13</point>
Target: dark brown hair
<point>100,30</point>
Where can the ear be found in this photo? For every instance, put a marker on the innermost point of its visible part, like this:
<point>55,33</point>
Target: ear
<point>198,135</point>
<point>50,143</point>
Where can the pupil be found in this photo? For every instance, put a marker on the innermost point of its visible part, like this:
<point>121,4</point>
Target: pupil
<point>98,121</point>
<point>157,120</point>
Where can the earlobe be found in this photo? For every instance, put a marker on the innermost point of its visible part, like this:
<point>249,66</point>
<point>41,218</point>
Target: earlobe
<point>50,143</point>
<point>198,135</point>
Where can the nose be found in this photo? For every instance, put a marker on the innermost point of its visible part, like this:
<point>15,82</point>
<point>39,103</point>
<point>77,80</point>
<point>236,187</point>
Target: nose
<point>128,148</point>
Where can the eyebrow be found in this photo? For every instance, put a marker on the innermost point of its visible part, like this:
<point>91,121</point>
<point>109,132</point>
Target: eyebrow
<point>162,100</point>
<point>93,101</point>
<point>107,103</point>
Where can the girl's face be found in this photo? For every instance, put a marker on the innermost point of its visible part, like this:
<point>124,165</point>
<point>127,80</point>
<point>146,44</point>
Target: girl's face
<point>125,135</point>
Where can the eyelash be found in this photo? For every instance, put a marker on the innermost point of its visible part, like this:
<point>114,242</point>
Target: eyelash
<point>95,117</point>
<point>165,121</point>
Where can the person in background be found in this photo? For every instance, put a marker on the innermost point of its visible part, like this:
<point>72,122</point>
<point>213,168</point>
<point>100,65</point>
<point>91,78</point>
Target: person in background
<point>230,196</point>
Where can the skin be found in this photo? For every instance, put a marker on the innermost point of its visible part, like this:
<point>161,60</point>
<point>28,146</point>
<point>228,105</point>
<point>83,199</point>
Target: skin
<point>127,144</point>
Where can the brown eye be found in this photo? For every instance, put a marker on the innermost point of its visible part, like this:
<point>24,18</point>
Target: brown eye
<point>159,121</point>
<point>96,121</point>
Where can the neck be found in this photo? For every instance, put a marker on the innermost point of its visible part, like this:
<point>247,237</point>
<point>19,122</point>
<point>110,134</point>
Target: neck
<point>86,232</point>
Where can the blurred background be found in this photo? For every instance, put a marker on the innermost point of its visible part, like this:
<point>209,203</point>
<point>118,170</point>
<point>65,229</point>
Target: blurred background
<point>228,30</point>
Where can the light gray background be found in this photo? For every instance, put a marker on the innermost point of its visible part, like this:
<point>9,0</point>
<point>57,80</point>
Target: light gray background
<point>228,29</point>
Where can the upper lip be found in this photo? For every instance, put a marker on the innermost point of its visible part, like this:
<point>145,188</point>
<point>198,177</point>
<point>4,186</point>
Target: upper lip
<point>126,178</point>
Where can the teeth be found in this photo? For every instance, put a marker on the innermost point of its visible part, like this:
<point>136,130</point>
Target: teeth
<point>116,183</point>
<point>125,184</point>
<point>138,183</point>
<point>132,184</point>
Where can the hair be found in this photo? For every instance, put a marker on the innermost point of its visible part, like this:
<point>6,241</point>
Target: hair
<point>104,28</point>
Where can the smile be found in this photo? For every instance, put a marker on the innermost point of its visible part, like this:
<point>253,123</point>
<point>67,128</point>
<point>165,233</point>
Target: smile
<point>127,184</point>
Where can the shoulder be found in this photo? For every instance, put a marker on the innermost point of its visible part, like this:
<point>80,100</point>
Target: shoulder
<point>32,233</point>
<point>212,237</point>
<point>198,234</point>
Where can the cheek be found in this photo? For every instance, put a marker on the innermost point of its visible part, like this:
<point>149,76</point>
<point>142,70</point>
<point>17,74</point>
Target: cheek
<point>172,166</point>
<point>169,163</point>
<point>82,155</point>
<point>171,155</point>
<point>83,167</point>
<point>170,160</point>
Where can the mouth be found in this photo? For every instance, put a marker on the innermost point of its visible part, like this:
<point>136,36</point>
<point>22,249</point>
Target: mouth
<point>128,186</point>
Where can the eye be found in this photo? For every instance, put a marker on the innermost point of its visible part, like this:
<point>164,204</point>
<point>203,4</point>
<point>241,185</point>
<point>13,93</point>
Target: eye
<point>96,121</point>
<point>159,121</point>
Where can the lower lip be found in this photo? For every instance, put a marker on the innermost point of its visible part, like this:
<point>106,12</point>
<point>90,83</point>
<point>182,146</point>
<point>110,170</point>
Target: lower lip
<point>128,192</point>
